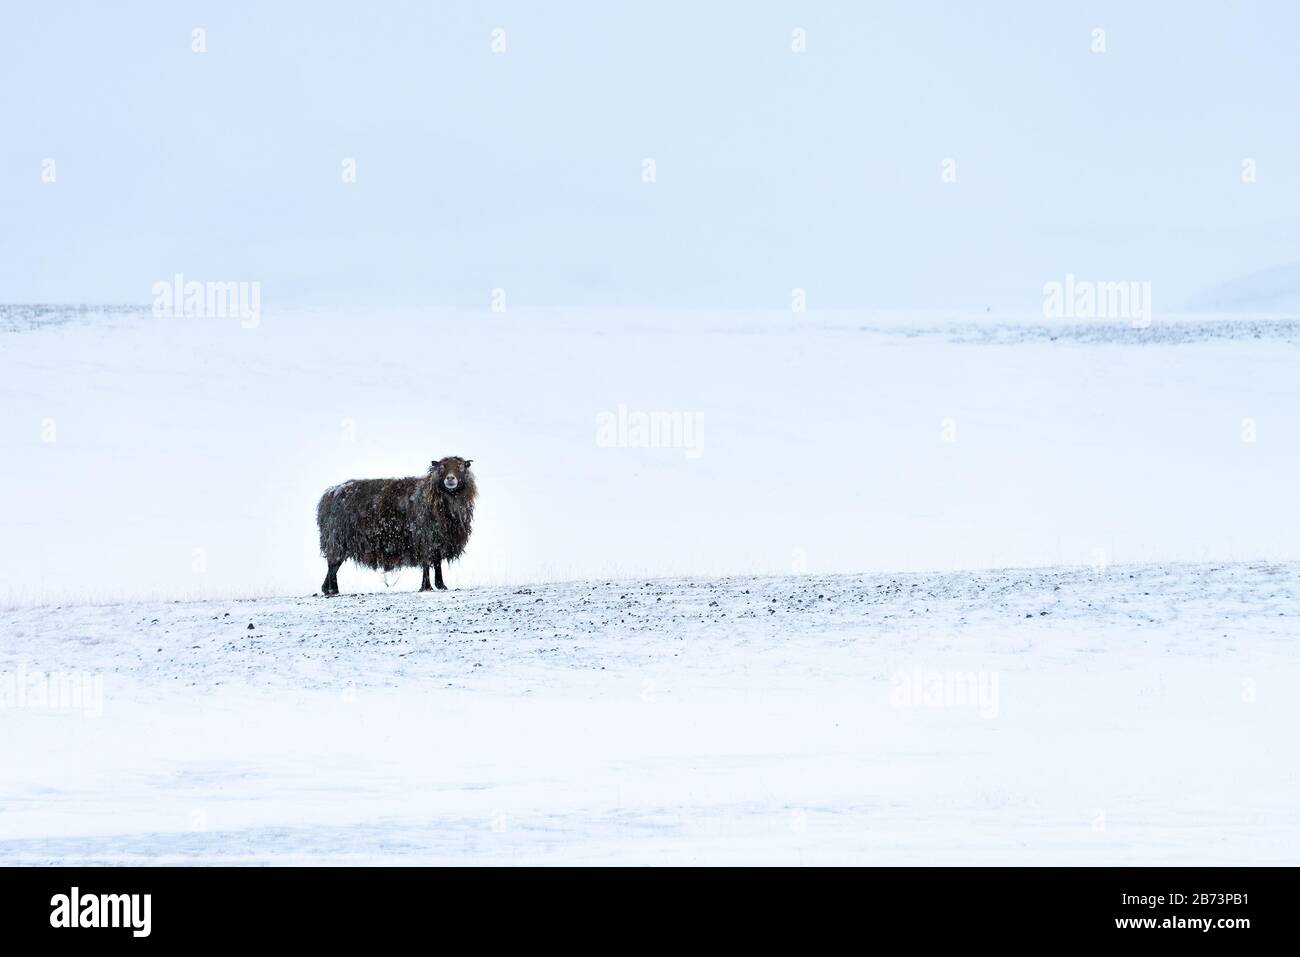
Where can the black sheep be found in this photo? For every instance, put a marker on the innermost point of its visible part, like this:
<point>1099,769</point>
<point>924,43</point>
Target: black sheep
<point>396,523</point>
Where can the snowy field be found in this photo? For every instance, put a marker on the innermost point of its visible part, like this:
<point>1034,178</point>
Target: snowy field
<point>1142,715</point>
<point>772,643</point>
<point>183,458</point>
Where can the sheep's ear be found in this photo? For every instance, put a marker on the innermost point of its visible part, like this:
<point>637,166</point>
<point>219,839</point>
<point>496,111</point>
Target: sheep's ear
<point>433,464</point>
<point>468,463</point>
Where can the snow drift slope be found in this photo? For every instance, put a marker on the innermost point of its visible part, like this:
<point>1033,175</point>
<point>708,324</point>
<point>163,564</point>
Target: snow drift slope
<point>1135,714</point>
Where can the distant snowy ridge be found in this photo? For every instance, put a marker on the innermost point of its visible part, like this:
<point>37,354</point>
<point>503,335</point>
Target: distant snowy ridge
<point>1225,316</point>
<point>24,317</point>
<point>1275,290</point>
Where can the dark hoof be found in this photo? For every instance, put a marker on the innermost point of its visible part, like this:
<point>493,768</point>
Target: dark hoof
<point>426,588</point>
<point>441,587</point>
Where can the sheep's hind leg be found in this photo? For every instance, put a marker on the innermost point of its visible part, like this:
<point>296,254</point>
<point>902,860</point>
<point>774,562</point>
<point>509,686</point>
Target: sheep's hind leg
<point>437,575</point>
<point>331,583</point>
<point>424,583</point>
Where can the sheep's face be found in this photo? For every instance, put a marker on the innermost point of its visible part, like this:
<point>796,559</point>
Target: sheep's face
<point>451,474</point>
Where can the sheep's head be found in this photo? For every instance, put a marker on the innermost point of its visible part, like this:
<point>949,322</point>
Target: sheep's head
<point>452,474</point>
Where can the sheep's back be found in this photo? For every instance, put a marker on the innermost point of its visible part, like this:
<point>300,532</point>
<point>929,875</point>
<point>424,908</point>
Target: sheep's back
<point>374,522</point>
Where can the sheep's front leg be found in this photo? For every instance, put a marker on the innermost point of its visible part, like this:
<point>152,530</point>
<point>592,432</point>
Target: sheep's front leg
<point>437,574</point>
<point>424,582</point>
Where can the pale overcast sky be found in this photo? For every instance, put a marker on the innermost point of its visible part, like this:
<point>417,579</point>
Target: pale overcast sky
<point>523,169</point>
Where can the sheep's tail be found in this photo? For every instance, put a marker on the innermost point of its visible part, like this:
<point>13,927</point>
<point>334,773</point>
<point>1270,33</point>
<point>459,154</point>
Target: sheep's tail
<point>329,520</point>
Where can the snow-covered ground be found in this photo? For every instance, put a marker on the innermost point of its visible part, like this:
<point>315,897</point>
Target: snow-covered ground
<point>183,458</point>
<point>764,643</point>
<point>1138,714</point>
